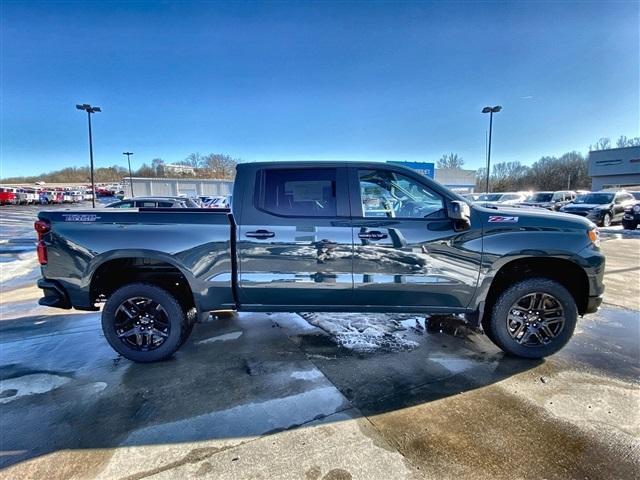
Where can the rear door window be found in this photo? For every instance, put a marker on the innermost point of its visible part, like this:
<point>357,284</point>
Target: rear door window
<point>299,192</point>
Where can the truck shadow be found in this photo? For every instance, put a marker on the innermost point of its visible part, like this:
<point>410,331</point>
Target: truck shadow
<point>235,378</point>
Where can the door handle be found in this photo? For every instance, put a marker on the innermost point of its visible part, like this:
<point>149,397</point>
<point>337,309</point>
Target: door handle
<point>375,235</point>
<point>260,234</point>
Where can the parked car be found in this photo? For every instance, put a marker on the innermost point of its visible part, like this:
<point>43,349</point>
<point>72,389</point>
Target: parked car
<point>602,208</point>
<point>524,276</point>
<point>21,196</point>
<point>155,202</point>
<point>631,218</point>
<point>32,195</point>
<point>503,198</point>
<point>219,202</point>
<point>45,197</point>
<point>550,200</point>
<point>8,196</point>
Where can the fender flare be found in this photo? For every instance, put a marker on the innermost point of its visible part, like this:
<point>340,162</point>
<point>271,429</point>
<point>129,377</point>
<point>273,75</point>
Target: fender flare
<point>99,260</point>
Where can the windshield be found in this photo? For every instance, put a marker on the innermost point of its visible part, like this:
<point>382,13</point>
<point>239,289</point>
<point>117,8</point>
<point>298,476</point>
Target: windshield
<point>541,197</point>
<point>595,198</point>
<point>490,197</point>
<point>636,195</point>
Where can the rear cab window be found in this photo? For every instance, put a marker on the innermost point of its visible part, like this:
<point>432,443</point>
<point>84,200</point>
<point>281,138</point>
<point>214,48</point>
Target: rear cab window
<point>299,192</point>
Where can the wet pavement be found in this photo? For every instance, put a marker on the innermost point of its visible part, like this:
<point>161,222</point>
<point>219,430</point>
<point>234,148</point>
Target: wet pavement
<point>274,396</point>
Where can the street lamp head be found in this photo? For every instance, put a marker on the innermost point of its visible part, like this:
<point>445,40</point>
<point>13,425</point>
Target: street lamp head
<point>127,153</point>
<point>496,109</point>
<point>88,108</point>
<point>486,110</point>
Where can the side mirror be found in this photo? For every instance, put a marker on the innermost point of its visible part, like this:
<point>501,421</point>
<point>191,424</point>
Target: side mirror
<point>460,213</point>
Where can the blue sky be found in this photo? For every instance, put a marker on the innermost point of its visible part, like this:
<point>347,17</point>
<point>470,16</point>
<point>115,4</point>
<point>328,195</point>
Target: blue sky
<point>286,81</point>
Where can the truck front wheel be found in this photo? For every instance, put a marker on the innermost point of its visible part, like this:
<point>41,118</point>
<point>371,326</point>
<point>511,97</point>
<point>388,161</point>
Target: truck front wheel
<point>533,318</point>
<point>143,322</point>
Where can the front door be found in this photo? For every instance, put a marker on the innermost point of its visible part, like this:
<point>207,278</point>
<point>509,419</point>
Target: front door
<point>294,243</point>
<point>406,250</point>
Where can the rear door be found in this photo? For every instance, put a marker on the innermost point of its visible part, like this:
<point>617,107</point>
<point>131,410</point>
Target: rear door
<point>406,251</point>
<point>294,239</point>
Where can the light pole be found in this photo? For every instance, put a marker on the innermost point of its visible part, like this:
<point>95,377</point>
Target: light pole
<point>490,111</point>
<point>89,109</point>
<point>128,154</point>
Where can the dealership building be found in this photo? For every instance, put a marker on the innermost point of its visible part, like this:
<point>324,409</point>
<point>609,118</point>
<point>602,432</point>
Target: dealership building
<point>459,180</point>
<point>173,187</point>
<point>615,168</point>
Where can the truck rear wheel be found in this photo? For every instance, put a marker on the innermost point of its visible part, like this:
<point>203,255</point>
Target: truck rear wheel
<point>144,323</point>
<point>533,318</point>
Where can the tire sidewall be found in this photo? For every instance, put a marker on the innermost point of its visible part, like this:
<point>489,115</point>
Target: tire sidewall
<point>175,315</point>
<point>604,220</point>
<point>500,334</point>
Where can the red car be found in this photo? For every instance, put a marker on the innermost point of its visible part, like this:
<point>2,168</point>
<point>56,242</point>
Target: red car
<point>8,196</point>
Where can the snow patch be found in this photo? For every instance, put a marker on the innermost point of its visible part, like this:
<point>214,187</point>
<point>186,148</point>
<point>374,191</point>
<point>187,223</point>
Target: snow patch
<point>14,388</point>
<point>453,364</point>
<point>221,338</point>
<point>367,333</point>
<point>307,374</point>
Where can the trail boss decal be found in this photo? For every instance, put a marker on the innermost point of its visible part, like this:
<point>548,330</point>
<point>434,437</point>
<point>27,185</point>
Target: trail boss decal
<point>80,217</point>
<point>501,219</point>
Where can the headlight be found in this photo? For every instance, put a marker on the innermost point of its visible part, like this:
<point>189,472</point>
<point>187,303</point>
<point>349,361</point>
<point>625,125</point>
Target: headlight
<point>594,236</point>
<point>636,208</point>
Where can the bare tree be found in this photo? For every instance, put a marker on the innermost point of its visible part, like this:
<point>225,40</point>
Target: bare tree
<point>452,161</point>
<point>194,160</point>
<point>158,166</point>
<point>218,165</point>
<point>602,144</point>
<point>623,141</point>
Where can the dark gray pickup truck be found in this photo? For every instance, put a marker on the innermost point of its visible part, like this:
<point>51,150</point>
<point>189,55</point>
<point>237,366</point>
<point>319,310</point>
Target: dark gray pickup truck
<point>324,236</point>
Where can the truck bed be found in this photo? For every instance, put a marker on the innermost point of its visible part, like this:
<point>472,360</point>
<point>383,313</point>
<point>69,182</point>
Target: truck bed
<point>197,242</point>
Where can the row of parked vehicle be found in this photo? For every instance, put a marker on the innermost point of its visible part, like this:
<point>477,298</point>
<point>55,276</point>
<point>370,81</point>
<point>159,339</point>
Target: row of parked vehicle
<point>42,196</point>
<point>218,202</point>
<point>603,208</point>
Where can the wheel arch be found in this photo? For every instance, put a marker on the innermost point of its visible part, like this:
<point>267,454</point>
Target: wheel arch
<point>112,270</point>
<point>566,272</point>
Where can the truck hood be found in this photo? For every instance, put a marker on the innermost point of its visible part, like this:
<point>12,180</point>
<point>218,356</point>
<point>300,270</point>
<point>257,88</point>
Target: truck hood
<point>531,217</point>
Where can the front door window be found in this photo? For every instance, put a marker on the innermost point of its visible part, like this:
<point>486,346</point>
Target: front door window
<point>387,194</point>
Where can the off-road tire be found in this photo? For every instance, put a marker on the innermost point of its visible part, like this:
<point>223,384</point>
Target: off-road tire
<point>175,313</point>
<point>497,330</point>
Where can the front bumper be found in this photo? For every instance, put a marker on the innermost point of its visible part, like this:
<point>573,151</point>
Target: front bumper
<point>54,294</point>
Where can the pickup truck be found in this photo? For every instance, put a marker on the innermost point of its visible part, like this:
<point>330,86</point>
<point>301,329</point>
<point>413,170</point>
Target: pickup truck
<point>325,237</point>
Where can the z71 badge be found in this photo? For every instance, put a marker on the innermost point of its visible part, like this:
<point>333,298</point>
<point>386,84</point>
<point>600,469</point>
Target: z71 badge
<point>501,219</point>
<point>80,217</point>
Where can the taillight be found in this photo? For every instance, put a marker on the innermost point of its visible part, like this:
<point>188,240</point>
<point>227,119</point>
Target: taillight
<point>42,228</point>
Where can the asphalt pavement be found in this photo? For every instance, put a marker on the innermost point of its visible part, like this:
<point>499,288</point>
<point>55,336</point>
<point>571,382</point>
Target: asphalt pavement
<point>272,396</point>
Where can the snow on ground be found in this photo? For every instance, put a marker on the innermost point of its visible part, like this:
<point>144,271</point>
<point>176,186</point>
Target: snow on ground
<point>23,270</point>
<point>221,338</point>
<point>13,388</point>
<point>366,333</point>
